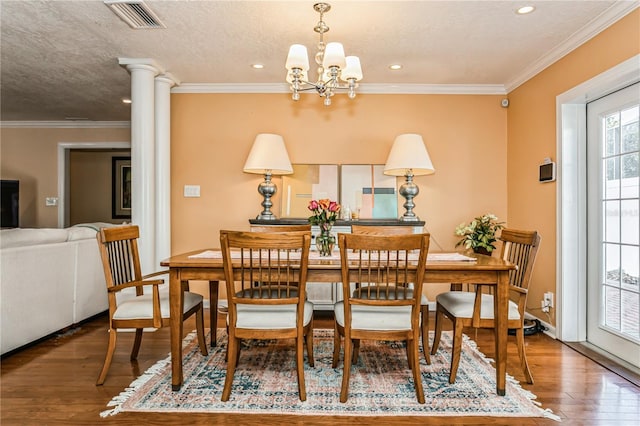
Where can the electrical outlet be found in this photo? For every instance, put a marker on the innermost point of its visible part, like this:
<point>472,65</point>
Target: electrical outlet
<point>548,298</point>
<point>544,306</point>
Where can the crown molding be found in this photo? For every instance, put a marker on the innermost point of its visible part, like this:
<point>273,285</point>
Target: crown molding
<point>386,89</point>
<point>65,124</point>
<point>607,18</point>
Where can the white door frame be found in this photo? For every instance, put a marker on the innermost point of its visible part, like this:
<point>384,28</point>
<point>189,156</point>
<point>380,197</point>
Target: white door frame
<point>571,193</point>
<point>63,171</point>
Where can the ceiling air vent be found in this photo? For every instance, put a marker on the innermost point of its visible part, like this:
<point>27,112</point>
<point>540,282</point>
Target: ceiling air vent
<point>135,13</point>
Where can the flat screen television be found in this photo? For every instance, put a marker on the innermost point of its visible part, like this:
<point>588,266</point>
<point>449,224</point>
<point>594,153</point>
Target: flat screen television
<point>10,205</point>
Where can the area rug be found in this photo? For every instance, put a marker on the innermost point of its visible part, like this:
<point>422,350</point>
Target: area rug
<point>381,383</point>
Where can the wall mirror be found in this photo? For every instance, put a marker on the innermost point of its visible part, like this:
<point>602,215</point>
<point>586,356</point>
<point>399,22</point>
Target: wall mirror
<point>364,188</point>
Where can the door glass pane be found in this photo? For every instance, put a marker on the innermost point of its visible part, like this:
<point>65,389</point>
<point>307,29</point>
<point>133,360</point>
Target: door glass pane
<point>612,221</point>
<point>629,221</point>
<point>612,307</point>
<point>629,267</point>
<point>630,307</point>
<point>612,178</point>
<point>629,175</point>
<point>612,264</point>
<point>629,133</point>
<point>612,134</point>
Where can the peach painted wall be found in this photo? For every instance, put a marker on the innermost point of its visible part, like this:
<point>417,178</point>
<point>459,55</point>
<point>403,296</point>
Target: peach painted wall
<point>532,137</point>
<point>211,135</point>
<point>31,155</point>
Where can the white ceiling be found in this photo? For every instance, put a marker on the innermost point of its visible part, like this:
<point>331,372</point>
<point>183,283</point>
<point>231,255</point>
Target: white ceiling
<point>59,59</point>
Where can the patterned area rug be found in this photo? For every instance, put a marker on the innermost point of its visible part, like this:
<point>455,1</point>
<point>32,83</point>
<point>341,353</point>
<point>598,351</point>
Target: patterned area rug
<point>381,383</point>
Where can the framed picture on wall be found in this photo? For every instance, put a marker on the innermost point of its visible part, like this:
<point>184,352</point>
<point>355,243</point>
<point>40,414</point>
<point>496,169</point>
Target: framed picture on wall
<point>308,182</point>
<point>121,187</point>
<point>368,192</point>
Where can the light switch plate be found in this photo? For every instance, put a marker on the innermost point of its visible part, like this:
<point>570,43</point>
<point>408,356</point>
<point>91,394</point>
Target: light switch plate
<point>192,190</point>
<point>51,201</point>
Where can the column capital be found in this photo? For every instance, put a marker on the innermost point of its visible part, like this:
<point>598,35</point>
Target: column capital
<point>168,78</point>
<point>141,63</point>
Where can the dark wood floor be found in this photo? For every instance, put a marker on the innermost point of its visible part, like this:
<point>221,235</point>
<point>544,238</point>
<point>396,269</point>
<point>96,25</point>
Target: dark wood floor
<point>53,383</point>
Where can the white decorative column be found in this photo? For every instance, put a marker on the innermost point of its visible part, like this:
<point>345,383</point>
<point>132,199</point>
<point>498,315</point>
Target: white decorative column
<point>143,72</point>
<point>163,84</point>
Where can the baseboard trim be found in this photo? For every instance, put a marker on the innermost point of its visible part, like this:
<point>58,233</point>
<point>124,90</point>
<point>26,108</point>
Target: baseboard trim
<point>549,329</point>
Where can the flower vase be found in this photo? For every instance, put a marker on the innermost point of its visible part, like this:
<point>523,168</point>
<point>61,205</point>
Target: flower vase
<point>325,241</point>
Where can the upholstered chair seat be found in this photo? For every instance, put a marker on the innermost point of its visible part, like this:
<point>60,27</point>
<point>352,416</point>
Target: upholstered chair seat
<point>460,304</point>
<point>142,306</point>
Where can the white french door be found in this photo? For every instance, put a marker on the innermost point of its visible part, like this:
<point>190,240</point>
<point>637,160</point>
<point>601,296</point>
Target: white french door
<point>613,240</point>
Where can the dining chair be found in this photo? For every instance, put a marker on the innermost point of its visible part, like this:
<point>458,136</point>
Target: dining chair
<point>266,275</point>
<point>267,228</point>
<point>424,301</point>
<point>121,263</point>
<point>475,309</point>
<point>383,307</point>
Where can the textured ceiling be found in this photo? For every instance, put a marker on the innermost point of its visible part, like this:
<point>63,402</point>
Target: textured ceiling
<point>59,59</point>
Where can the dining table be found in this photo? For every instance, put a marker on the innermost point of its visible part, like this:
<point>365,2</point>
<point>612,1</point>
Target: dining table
<point>471,268</point>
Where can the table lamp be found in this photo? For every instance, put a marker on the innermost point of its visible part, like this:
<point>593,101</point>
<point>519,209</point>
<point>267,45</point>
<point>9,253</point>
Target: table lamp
<point>268,157</point>
<point>408,158</point>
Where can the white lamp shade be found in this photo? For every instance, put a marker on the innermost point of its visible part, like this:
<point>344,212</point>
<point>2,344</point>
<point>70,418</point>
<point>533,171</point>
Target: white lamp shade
<point>334,56</point>
<point>268,155</point>
<point>352,70</point>
<point>408,153</point>
<point>297,58</point>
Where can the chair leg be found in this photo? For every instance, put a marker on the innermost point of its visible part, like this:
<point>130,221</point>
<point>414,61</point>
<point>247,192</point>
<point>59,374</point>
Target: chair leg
<point>455,351</point>
<point>356,351</point>
<point>336,345</point>
<point>438,331</point>
<point>231,367</point>
<point>226,355</point>
<point>308,337</point>
<point>523,356</point>
<point>424,309</point>
<point>344,391</point>
<point>136,344</point>
<point>200,330</point>
<point>213,311</point>
<point>302,392</point>
<point>113,334</point>
<point>415,368</point>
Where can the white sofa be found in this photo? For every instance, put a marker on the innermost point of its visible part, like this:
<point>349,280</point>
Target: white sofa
<point>49,279</point>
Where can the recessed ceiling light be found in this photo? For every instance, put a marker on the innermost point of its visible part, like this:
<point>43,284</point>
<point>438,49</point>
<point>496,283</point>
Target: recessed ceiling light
<point>257,66</point>
<point>525,9</point>
<point>126,100</point>
<point>395,66</point>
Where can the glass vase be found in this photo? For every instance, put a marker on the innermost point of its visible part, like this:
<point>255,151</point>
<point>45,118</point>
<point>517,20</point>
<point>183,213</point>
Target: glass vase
<point>325,241</point>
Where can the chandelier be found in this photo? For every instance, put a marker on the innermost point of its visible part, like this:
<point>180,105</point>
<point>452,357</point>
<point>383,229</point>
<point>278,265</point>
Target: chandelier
<point>333,66</point>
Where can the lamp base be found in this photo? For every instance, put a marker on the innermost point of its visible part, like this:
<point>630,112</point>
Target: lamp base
<point>266,216</point>
<point>409,190</point>
<point>267,189</point>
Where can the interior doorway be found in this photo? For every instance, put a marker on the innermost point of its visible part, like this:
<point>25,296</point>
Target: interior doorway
<point>64,175</point>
